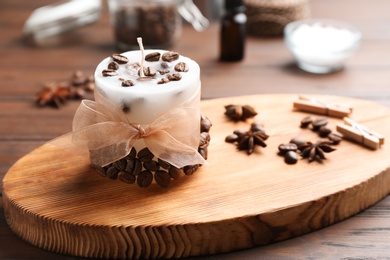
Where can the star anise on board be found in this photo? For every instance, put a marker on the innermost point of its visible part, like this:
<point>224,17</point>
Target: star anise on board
<point>250,139</point>
<point>247,140</point>
<point>315,151</point>
<point>238,112</point>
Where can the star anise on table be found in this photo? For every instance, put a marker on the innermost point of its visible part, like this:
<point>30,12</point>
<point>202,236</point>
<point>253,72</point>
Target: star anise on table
<point>55,93</point>
<point>315,151</point>
<point>238,112</point>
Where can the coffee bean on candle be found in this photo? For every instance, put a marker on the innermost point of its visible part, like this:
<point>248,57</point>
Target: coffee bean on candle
<point>174,77</point>
<point>127,83</point>
<point>126,109</point>
<point>154,56</point>
<point>170,56</point>
<point>109,73</point>
<point>163,81</point>
<point>113,65</point>
<point>119,58</point>
<point>163,71</point>
<point>148,72</point>
<point>181,67</point>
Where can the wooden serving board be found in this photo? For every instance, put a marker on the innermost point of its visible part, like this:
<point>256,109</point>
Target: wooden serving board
<point>54,201</point>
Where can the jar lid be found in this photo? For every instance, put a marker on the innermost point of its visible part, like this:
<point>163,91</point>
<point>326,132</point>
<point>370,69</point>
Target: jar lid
<point>58,18</point>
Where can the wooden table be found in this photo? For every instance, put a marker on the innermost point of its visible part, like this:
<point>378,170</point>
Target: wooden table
<point>267,68</point>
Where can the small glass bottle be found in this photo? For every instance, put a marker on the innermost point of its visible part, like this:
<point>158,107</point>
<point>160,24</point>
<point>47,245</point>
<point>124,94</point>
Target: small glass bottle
<point>232,37</point>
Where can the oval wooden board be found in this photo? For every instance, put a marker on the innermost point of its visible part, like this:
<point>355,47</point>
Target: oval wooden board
<point>54,201</point>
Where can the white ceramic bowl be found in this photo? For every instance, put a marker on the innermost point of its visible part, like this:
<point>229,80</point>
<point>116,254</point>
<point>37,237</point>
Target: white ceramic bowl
<point>321,45</point>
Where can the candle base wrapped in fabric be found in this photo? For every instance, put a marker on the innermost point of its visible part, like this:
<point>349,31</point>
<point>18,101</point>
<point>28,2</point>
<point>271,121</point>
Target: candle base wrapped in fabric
<point>145,122</point>
<point>142,166</point>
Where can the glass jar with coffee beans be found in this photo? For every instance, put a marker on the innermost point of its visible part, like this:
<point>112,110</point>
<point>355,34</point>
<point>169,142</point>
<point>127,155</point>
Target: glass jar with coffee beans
<point>156,21</point>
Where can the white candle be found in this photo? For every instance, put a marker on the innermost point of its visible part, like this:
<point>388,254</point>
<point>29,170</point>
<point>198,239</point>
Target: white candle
<point>147,100</point>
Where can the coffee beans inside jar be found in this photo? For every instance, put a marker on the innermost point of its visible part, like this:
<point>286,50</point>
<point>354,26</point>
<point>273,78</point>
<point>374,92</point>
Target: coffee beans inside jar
<point>157,22</point>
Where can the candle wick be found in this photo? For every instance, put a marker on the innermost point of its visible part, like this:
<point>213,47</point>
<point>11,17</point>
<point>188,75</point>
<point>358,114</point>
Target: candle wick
<point>141,46</point>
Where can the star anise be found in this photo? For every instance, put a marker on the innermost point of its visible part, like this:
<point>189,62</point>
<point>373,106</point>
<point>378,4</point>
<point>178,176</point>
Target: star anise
<point>53,94</point>
<point>250,139</point>
<point>315,151</point>
<point>238,112</point>
<point>247,140</point>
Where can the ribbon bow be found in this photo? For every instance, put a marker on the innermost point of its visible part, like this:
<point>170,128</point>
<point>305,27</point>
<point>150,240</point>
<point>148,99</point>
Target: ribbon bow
<point>108,134</point>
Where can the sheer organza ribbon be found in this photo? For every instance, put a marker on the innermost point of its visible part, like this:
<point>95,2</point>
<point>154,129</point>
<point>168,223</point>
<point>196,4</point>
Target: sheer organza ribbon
<point>104,128</point>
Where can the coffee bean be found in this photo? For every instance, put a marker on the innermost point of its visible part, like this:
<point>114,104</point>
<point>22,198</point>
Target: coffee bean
<point>148,72</point>
<point>109,73</point>
<point>145,155</point>
<point>205,124</point>
<point>204,140</point>
<point>154,56</point>
<point>163,81</point>
<point>120,164</point>
<point>239,132</point>
<point>335,137</point>
<point>317,123</point>
<point>257,127</point>
<point>291,157</point>
<point>324,131</point>
<point>112,172</point>
<point>231,138</point>
<point>174,77</point>
<point>119,58</point>
<point>144,179</point>
<point>113,65</point>
<point>298,141</point>
<point>151,165</point>
<point>203,152</point>
<point>181,67</point>
<point>174,172</point>
<point>163,164</point>
<point>163,72</point>
<point>284,148</point>
<point>170,56</point>
<point>190,169</point>
<point>126,177</point>
<point>162,178</point>
<point>306,122</point>
<point>127,83</point>
<point>133,153</point>
<point>137,167</point>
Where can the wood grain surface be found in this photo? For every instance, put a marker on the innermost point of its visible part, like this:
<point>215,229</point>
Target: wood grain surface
<point>268,67</point>
<point>53,200</point>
